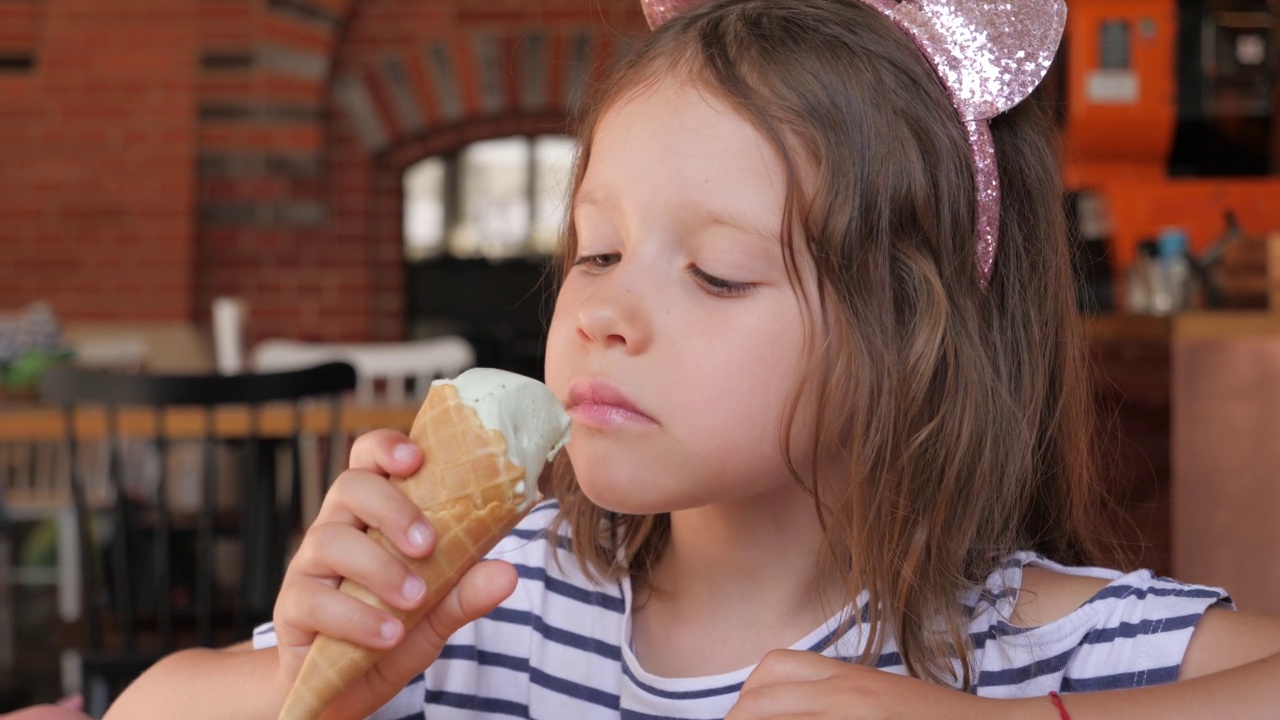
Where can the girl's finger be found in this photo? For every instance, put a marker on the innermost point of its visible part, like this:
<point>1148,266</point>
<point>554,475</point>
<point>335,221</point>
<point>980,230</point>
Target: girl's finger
<point>362,499</point>
<point>303,611</point>
<point>332,551</point>
<point>783,666</point>
<point>386,452</point>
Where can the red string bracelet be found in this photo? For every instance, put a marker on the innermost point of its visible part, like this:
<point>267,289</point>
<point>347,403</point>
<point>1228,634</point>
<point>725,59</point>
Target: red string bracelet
<point>1056,699</point>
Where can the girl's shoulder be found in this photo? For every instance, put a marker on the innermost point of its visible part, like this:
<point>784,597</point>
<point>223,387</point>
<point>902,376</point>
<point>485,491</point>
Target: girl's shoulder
<point>1032,591</point>
<point>1040,623</point>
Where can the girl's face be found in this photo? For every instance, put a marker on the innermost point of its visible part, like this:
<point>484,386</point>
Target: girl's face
<point>677,338</point>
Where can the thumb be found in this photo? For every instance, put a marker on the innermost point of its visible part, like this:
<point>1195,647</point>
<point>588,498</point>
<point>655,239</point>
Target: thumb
<point>481,589</point>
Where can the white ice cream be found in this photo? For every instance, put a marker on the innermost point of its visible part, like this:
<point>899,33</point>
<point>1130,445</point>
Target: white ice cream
<point>524,410</point>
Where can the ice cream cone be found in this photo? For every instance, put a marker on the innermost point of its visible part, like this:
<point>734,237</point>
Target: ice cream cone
<point>471,492</point>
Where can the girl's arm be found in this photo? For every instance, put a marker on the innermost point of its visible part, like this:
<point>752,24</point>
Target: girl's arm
<point>792,683</point>
<point>192,684</point>
<point>1244,692</point>
<point>1231,669</point>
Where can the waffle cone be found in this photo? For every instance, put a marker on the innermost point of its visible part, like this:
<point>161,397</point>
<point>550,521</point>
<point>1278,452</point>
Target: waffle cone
<point>471,493</point>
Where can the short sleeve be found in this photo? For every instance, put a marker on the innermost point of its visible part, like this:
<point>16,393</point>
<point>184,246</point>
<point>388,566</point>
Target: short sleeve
<point>264,636</point>
<point>1132,633</point>
<point>1141,630</point>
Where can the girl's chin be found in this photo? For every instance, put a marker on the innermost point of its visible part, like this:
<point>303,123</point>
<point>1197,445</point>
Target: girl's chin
<point>623,501</point>
<point>631,498</point>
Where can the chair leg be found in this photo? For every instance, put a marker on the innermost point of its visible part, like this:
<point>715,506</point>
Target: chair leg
<point>97,696</point>
<point>70,591</point>
<point>7,609</point>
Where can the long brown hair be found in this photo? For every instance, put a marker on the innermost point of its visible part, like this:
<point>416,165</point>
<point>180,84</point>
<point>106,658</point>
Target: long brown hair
<point>961,414</point>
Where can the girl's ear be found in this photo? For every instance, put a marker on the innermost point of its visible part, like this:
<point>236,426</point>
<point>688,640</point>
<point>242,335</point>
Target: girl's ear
<point>658,12</point>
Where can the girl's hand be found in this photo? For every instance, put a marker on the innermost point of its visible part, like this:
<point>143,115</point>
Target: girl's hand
<point>68,708</point>
<point>791,683</point>
<point>336,547</point>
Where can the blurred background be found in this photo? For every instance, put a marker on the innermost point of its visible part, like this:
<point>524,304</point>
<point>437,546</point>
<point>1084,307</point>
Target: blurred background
<point>213,189</point>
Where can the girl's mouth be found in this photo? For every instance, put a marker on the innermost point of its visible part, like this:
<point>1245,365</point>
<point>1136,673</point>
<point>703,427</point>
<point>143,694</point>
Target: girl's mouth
<point>599,403</point>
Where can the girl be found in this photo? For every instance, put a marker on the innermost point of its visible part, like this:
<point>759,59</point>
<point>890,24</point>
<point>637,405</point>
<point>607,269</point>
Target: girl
<point>829,416</point>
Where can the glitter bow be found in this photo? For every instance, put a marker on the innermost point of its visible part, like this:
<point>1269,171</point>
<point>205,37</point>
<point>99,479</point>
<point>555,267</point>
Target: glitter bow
<point>989,55</point>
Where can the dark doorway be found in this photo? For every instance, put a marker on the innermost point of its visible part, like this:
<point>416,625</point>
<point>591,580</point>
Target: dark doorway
<point>500,307</point>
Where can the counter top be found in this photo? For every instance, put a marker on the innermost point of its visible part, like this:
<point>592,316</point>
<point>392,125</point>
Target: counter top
<point>1184,326</point>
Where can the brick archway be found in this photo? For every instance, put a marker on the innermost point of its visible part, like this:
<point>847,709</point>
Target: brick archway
<point>304,138</point>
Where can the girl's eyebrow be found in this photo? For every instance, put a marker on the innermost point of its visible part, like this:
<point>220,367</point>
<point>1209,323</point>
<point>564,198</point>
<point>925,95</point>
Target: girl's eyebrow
<point>718,217</point>
<point>592,197</point>
<point>605,199</point>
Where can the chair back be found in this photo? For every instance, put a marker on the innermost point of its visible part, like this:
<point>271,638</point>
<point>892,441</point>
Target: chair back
<point>147,566</point>
<point>390,373</point>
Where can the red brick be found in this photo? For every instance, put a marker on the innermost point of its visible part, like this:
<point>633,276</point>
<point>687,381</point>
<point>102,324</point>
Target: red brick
<point>297,34</point>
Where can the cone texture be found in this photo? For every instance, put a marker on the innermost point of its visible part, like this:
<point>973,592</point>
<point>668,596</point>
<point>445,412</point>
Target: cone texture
<point>472,495</point>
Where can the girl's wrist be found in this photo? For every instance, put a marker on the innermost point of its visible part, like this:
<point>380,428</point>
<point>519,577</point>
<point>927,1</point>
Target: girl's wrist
<point>1040,707</point>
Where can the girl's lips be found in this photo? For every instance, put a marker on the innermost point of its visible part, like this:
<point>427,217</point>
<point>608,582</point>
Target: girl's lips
<point>602,416</point>
<point>601,404</point>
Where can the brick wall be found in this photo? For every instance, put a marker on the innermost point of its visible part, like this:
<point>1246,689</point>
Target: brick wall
<point>159,153</point>
<point>98,134</point>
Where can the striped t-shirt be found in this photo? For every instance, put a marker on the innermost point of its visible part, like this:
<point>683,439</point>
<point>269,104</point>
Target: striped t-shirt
<point>559,646</point>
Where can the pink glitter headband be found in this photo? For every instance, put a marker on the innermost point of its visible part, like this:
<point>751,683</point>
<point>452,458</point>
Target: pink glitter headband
<point>989,55</point>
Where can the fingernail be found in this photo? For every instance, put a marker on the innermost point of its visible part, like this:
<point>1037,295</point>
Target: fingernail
<point>413,588</point>
<point>390,630</point>
<point>405,452</point>
<point>419,535</point>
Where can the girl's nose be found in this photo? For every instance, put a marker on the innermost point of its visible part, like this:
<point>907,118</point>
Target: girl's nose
<point>613,316</point>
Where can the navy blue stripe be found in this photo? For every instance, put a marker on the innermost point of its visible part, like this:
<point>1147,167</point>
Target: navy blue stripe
<point>991,597</point>
<point>540,534</point>
<point>884,662</point>
<point>1122,681</point>
<point>555,634</point>
<point>842,628</point>
<point>682,694</point>
<point>997,630</point>
<point>824,642</point>
<point>1001,629</point>
<point>471,653</point>
<point>888,660</point>
<point>547,506</point>
<point>1025,673</point>
<point>568,688</point>
<point>1017,562</point>
<point>568,590</point>
<point>477,703</point>
<point>1143,627</point>
<point>635,715</point>
<point>574,690</point>
<point>1112,592</point>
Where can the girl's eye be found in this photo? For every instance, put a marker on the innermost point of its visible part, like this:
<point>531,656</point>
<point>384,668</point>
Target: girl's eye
<point>720,286</point>
<point>597,262</point>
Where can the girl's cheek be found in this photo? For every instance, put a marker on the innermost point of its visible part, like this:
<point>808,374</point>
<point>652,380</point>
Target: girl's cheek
<point>557,345</point>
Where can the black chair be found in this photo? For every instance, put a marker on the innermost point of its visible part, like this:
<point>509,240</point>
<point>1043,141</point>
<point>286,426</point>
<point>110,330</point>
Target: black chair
<point>134,545</point>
